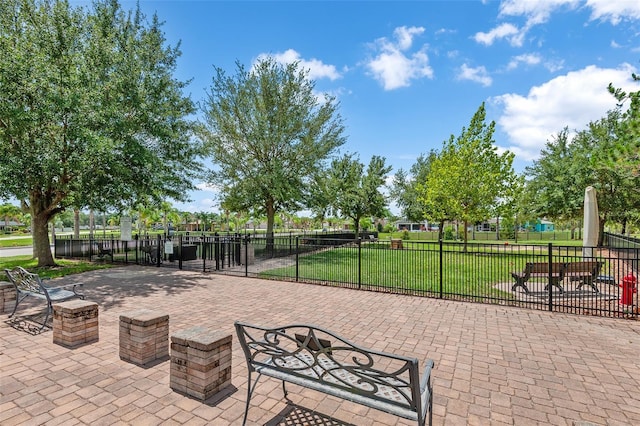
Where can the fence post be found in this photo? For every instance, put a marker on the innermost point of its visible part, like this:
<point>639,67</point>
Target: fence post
<point>204,253</point>
<point>216,250</point>
<point>179,252</point>
<point>441,263</point>
<point>297,258</point>
<point>550,277</point>
<point>359,262</point>
<point>246,255</point>
<point>159,251</point>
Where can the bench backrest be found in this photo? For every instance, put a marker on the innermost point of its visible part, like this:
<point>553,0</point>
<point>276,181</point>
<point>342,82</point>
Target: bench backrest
<point>312,353</point>
<point>25,281</point>
<point>591,267</point>
<point>543,268</point>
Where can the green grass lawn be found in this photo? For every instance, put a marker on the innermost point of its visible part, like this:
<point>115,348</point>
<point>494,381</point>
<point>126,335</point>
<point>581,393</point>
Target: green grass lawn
<point>10,241</point>
<point>65,267</point>
<point>465,273</point>
<point>417,267</point>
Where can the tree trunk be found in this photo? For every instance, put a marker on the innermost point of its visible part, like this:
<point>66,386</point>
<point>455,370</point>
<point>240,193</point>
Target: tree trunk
<point>33,238</point>
<point>441,230</point>
<point>41,247</point>
<point>271,214</point>
<point>92,224</point>
<point>76,224</point>
<point>356,224</point>
<point>464,249</point>
<point>601,223</point>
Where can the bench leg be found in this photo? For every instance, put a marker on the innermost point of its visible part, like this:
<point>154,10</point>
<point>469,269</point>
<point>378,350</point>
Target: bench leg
<point>46,318</point>
<point>555,283</point>
<point>520,283</point>
<point>590,282</point>
<point>250,388</point>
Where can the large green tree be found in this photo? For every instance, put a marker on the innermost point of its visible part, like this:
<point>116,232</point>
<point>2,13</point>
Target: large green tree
<point>268,134</point>
<point>90,113</point>
<point>557,180</point>
<point>404,188</point>
<point>597,156</point>
<point>356,189</point>
<point>469,177</point>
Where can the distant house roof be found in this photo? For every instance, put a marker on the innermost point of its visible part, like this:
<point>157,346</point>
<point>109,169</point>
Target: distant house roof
<point>9,223</point>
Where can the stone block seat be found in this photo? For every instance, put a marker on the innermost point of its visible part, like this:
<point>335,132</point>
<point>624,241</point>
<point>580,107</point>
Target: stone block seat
<point>75,323</point>
<point>200,362</point>
<point>144,336</point>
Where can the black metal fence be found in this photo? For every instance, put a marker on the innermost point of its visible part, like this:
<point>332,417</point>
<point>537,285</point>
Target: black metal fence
<point>567,279</point>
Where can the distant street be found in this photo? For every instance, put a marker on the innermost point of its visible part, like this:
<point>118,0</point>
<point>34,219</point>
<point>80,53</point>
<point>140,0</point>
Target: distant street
<point>16,251</point>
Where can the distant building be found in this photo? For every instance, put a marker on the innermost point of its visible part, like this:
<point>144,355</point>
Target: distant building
<point>415,226</point>
<point>543,225</point>
<point>9,225</point>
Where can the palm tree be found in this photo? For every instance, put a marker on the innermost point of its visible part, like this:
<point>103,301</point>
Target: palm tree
<point>9,212</point>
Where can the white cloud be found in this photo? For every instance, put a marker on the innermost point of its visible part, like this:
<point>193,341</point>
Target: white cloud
<point>405,36</point>
<point>614,11</point>
<point>571,100</point>
<point>614,45</point>
<point>536,12</point>
<point>393,66</point>
<point>505,30</point>
<point>554,66</point>
<point>528,59</point>
<point>203,186</point>
<point>317,69</point>
<point>477,74</point>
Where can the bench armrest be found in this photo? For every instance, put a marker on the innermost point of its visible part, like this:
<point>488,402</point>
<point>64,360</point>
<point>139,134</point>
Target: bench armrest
<point>426,375</point>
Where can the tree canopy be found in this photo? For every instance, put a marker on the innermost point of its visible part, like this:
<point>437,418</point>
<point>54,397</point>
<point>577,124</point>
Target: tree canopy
<point>268,133</point>
<point>468,177</point>
<point>597,156</point>
<point>90,113</point>
<point>404,189</point>
<point>356,191</point>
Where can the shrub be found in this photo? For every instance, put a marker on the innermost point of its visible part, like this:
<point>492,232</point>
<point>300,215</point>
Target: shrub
<point>448,233</point>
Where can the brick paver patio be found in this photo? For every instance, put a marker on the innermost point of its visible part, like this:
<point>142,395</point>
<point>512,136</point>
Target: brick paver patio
<point>494,365</point>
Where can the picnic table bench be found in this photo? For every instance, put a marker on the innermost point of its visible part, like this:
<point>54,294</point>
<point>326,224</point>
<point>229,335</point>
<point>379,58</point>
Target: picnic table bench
<point>318,359</point>
<point>104,251</point>
<point>586,272</point>
<point>539,270</point>
<point>151,254</point>
<point>30,284</point>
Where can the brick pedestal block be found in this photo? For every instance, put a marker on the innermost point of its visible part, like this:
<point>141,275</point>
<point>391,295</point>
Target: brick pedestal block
<point>7,298</point>
<point>75,323</point>
<point>200,362</point>
<point>144,336</point>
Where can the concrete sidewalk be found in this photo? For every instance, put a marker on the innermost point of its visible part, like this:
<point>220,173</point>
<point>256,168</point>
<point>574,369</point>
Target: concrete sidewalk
<point>493,365</point>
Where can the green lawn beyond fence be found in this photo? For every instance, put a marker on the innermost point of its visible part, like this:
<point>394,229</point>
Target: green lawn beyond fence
<point>452,270</point>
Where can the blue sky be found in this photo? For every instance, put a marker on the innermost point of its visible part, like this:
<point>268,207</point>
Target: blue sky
<point>410,74</point>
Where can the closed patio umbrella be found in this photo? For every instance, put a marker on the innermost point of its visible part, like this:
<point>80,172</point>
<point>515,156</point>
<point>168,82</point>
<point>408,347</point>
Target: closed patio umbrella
<point>591,226</point>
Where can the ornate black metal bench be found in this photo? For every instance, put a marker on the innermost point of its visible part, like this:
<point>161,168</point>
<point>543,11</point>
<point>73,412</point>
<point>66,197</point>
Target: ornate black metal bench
<point>30,284</point>
<point>318,359</point>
